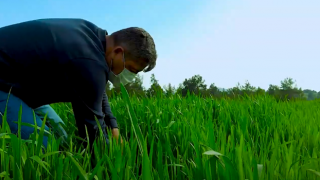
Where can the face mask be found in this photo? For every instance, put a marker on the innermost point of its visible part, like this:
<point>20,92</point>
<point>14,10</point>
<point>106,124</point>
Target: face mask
<point>124,77</point>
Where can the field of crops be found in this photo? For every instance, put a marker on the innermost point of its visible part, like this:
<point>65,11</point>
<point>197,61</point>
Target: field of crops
<point>181,138</point>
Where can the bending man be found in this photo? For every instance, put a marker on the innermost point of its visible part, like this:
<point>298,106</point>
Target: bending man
<point>71,60</point>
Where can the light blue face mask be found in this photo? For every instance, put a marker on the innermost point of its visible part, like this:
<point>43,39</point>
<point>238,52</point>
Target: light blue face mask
<point>124,77</point>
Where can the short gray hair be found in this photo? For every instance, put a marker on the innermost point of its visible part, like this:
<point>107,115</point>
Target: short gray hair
<point>138,44</point>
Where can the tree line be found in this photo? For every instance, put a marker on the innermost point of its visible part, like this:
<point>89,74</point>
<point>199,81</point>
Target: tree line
<point>196,85</point>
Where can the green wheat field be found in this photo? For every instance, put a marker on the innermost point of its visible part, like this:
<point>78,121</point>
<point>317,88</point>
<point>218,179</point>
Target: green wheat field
<point>179,138</point>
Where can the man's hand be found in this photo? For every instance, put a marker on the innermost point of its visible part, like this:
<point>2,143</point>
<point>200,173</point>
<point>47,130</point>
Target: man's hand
<point>116,134</point>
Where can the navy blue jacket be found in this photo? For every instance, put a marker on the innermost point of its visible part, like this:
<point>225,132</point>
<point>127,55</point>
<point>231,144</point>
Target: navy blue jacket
<point>58,60</point>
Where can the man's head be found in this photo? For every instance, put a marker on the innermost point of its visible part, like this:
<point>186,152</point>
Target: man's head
<point>133,45</point>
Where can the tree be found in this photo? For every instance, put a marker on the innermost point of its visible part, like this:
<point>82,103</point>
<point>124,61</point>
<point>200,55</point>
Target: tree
<point>260,91</point>
<point>247,87</point>
<point>213,90</point>
<point>169,90</point>
<point>136,87</point>
<point>287,84</point>
<point>155,88</point>
<point>310,94</point>
<point>179,89</point>
<point>194,85</point>
<point>235,91</point>
<point>287,90</point>
<point>273,89</point>
<point>290,89</point>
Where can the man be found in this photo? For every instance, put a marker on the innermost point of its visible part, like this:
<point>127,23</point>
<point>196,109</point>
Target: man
<point>68,60</point>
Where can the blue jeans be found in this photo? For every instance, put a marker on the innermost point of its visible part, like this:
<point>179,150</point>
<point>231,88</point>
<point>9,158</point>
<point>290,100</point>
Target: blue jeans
<point>53,120</point>
<point>13,108</point>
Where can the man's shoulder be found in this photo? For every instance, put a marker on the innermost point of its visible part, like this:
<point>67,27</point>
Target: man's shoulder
<point>65,21</point>
<point>79,37</point>
<point>73,23</point>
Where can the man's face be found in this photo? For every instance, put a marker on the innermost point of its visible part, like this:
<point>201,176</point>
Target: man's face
<point>134,66</point>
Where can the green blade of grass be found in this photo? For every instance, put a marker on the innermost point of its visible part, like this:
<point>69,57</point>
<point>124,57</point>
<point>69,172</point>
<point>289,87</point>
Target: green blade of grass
<point>40,162</point>
<point>41,134</point>
<point>80,170</point>
<point>133,118</point>
<point>146,170</point>
<point>314,172</point>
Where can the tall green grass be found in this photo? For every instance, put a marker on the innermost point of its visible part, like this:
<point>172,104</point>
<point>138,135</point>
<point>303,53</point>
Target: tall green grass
<point>179,138</point>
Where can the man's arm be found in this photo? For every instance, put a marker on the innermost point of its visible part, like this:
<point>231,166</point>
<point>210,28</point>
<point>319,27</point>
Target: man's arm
<point>87,82</point>
<point>110,120</point>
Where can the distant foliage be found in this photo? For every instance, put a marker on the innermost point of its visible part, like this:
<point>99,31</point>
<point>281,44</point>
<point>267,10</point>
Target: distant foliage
<point>287,90</point>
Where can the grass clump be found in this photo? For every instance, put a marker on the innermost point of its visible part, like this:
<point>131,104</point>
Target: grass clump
<point>179,138</point>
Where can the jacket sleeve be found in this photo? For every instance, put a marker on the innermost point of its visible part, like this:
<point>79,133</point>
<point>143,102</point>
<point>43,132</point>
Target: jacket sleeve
<point>109,119</point>
<point>87,83</point>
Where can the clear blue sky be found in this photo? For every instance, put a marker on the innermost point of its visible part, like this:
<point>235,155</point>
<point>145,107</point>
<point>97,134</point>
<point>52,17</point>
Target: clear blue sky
<point>225,41</point>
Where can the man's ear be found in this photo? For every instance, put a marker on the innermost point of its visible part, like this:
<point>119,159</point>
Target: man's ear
<point>118,49</point>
